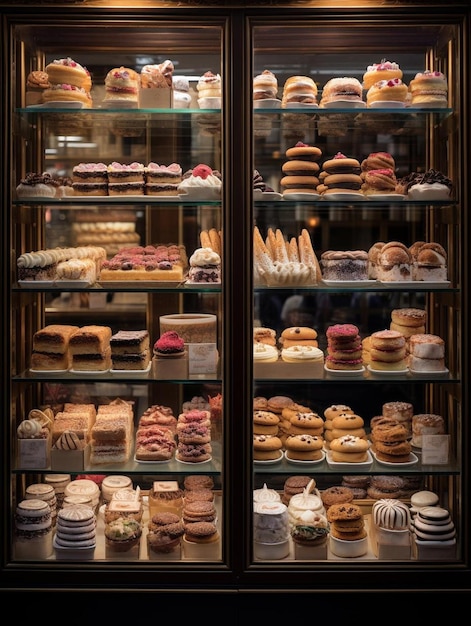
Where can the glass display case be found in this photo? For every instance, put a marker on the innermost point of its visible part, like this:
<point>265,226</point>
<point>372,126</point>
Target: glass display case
<point>144,432</point>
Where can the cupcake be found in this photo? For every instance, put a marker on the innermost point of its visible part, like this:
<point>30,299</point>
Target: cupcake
<point>170,344</point>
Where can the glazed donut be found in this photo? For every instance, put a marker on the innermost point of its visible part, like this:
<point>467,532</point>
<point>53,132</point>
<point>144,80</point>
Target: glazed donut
<point>336,409</point>
<point>300,168</point>
<point>302,151</point>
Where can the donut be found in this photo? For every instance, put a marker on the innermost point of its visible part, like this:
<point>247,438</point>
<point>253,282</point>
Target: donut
<point>350,181</point>
<point>302,151</point>
<point>409,317</point>
<point>299,182</point>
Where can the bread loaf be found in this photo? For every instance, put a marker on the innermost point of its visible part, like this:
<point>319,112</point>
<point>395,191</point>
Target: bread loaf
<point>53,339</point>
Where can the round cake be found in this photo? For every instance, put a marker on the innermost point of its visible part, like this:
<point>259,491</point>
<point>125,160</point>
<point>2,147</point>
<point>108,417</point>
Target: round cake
<point>391,514</point>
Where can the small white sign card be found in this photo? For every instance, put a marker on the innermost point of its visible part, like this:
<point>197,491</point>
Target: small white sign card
<point>435,449</point>
<point>202,358</point>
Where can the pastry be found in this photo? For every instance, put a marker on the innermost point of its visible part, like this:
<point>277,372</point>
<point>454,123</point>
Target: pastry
<point>122,84</point>
<point>122,534</point>
<point>343,347</point>
<point>75,528</point>
<point>304,447</point>
<point>346,521</point>
<point>429,185</point>
<point>429,88</point>
<point>343,89</point>
<point>394,262</point>
<point>130,350</point>
<point>426,424</point>
<point>169,344</point>
<point>157,75</point>
<point>165,532</point>
<point>160,263</point>
<point>299,90</point>
<point>67,93</point>
<point>299,336</point>
<point>340,174</point>
<point>265,423</point>
<point>388,350</point>
<point>68,71</point>
<point>385,70</point>
<point>344,265</point>
<point>429,262</point>
<point>378,182</point>
<point>209,85</point>
<point>392,90</point>
<point>162,180</point>
<point>205,267</point>
<point>265,86</point>
<point>266,495</point>
<point>36,82</point>
<point>181,95</point>
<point>267,448</point>
<point>302,354</point>
<point>336,495</point>
<point>426,353</point>
<point>349,449</point>
<point>300,171</point>
<point>201,178</point>
<point>36,186</point>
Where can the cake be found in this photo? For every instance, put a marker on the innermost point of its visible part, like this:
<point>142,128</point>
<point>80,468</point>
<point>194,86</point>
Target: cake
<point>394,263</point>
<point>339,175</point>
<point>265,86</point>
<point>344,265</point>
<point>309,535</point>
<point>84,487</point>
<point>201,182</point>
<point>36,186</point>
<point>111,434</point>
<point>162,180</point>
<point>113,483</point>
<point>429,88</point>
<point>264,353</point>
<point>122,534</point>
<point>385,70</point>
<point>265,494</point>
<point>51,347</point>
<point>33,529</point>
<point>426,353</point>
<point>391,529</point>
<point>165,496</point>
<point>149,263</point>
<point>344,347</point>
<point>426,424</point>
<point>434,533</point>
<point>169,344</point>
<point>387,91</point>
<point>67,70</point>
<point>36,82</point>
<point>388,351</point>
<point>301,170</point>
<point>90,179</point>
<point>259,185</point>
<point>209,86</point>
<point>205,267</point>
<point>299,90</point>
<point>89,348</point>
<point>270,530</point>
<point>431,185</point>
<point>126,179</point>
<point>64,92</point>
<point>130,350</point>
<point>429,262</point>
<point>122,85</point>
<point>373,260</point>
<point>347,90</point>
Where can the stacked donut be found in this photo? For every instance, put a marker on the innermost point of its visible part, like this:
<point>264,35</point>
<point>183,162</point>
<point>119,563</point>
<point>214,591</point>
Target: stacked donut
<point>68,81</point>
<point>388,351</point>
<point>339,175</point>
<point>390,441</point>
<point>301,169</point>
<point>408,321</point>
<point>299,90</point>
<point>344,350</point>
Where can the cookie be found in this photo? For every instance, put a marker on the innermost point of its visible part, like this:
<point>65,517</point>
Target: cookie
<point>336,409</point>
<point>304,447</point>
<point>336,495</point>
<point>266,447</point>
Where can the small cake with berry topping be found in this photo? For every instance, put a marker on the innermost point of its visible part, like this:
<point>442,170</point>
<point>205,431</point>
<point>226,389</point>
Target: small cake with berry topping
<point>429,89</point>
<point>201,183</point>
<point>385,92</point>
<point>169,344</point>
<point>386,70</point>
<point>163,180</point>
<point>159,263</point>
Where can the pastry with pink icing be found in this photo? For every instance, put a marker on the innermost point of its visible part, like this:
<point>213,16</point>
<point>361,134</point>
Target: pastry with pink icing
<point>202,182</point>
<point>170,344</point>
<point>162,180</point>
<point>385,70</point>
<point>429,89</point>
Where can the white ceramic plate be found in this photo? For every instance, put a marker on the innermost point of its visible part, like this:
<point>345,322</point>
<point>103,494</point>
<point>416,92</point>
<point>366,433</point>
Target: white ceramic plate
<point>345,104</point>
<point>270,461</point>
<point>387,104</point>
<point>348,283</point>
<point>343,196</point>
<point>89,372</point>
<point>131,372</point>
<point>345,373</point>
<point>428,373</point>
<point>152,462</point>
<point>301,105</point>
<point>348,467</point>
<point>200,194</point>
<point>383,197</point>
<point>142,284</point>
<point>190,463</point>
<point>268,103</point>
<point>298,462</point>
<point>388,373</point>
<point>62,104</point>
<point>413,459</point>
<point>265,196</point>
<point>47,372</point>
<point>300,196</point>
<point>36,284</point>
